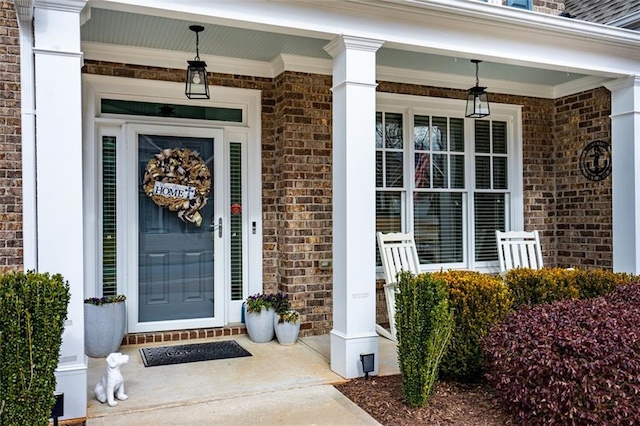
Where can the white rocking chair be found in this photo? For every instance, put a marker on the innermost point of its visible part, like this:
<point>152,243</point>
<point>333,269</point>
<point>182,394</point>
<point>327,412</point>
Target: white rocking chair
<point>398,253</point>
<point>518,249</point>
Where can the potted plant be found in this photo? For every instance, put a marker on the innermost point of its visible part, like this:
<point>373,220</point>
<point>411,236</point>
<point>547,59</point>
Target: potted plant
<point>259,317</point>
<point>287,326</point>
<point>104,325</point>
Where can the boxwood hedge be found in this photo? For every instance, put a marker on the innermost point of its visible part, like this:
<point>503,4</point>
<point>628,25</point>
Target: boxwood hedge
<point>33,308</point>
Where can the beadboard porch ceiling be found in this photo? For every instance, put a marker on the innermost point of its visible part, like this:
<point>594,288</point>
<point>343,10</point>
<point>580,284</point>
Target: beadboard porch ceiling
<point>141,36</point>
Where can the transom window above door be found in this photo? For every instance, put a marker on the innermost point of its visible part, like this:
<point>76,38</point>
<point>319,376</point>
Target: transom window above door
<point>451,181</point>
<point>170,110</point>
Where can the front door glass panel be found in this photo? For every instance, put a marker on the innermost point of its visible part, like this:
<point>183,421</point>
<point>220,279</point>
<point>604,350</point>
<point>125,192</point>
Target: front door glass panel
<point>175,257</point>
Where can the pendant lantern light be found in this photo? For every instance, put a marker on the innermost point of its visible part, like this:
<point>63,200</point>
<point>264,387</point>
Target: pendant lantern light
<point>477,102</point>
<point>197,86</point>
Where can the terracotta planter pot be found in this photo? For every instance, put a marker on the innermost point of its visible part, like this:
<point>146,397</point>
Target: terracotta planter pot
<point>104,328</point>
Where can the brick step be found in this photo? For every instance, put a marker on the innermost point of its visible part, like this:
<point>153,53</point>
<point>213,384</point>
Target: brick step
<point>177,335</point>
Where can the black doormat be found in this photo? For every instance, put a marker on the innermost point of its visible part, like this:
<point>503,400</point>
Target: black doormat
<point>179,354</point>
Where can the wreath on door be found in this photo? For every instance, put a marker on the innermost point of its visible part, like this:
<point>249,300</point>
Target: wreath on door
<point>179,180</point>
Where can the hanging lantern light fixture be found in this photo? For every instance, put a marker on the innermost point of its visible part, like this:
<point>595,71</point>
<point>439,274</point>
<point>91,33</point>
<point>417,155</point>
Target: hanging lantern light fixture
<point>197,86</point>
<point>477,102</point>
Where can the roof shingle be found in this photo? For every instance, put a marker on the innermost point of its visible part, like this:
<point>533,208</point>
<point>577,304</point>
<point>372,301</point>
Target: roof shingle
<point>600,11</point>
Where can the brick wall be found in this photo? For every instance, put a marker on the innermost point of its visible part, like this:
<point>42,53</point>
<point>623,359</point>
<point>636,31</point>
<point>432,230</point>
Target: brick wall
<point>538,166</point>
<point>11,241</point>
<point>269,154</point>
<point>584,209</point>
<point>296,174</point>
<point>296,181</point>
<point>550,7</point>
<point>304,191</point>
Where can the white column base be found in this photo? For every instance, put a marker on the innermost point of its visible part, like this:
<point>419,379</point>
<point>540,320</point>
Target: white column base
<point>72,381</point>
<point>346,351</point>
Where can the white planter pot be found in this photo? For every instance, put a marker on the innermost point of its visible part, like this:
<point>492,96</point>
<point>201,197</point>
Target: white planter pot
<point>260,325</point>
<point>286,332</point>
<point>104,328</point>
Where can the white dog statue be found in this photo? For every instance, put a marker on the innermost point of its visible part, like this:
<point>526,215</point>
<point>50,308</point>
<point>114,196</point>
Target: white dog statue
<point>112,383</point>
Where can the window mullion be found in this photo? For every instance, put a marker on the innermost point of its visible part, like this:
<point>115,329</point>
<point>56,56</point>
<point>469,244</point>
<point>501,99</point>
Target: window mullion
<point>409,183</point>
<point>470,183</point>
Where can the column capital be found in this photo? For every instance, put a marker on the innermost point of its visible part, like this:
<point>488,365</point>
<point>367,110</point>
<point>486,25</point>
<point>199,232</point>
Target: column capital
<point>64,5</point>
<point>623,83</point>
<point>346,42</point>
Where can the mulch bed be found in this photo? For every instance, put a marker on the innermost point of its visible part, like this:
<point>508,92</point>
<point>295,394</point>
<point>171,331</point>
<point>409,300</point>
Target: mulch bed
<point>452,403</point>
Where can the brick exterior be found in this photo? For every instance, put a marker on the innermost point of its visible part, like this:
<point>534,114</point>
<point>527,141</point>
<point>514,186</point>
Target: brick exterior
<point>572,213</point>
<point>304,193</point>
<point>583,207</point>
<point>183,335</point>
<point>11,241</point>
<point>550,7</point>
<point>296,179</point>
<point>296,174</point>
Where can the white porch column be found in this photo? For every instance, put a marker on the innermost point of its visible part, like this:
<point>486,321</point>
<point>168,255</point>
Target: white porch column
<point>58,98</point>
<point>354,221</point>
<point>625,146</point>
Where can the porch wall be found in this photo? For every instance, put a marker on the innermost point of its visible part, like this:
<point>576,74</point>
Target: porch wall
<point>304,194</point>
<point>584,219</point>
<point>269,154</point>
<point>11,241</point>
<point>296,174</point>
<point>551,7</point>
<point>296,181</point>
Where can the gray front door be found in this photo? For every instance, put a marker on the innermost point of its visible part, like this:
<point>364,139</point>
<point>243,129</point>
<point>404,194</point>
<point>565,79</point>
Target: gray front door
<point>178,262</point>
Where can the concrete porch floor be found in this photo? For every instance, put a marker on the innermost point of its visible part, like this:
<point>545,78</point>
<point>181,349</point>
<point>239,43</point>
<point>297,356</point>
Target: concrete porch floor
<point>276,385</point>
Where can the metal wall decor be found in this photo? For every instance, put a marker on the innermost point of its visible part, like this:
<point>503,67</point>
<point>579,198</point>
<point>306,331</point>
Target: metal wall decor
<point>595,161</point>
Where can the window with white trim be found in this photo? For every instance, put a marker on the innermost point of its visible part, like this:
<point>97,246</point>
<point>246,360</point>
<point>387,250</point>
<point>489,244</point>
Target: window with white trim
<point>450,180</point>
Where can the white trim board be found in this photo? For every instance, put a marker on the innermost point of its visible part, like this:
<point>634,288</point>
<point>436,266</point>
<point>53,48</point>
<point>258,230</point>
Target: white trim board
<point>284,62</point>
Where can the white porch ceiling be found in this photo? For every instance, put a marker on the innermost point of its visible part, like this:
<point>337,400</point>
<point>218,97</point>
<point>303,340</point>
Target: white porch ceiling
<point>171,39</point>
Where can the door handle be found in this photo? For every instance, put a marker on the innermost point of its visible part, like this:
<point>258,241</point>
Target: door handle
<point>218,227</point>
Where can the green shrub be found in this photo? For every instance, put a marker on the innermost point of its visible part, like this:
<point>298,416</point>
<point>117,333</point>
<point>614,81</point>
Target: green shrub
<point>33,308</point>
<point>478,301</point>
<point>424,325</point>
<point>598,282</point>
<point>548,285</point>
<point>537,286</point>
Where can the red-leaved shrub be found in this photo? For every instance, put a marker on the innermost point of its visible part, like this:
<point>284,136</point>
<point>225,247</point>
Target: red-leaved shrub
<point>570,363</point>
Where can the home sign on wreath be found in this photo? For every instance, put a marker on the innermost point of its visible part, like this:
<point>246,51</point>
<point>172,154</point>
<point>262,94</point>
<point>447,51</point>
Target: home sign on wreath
<point>179,180</point>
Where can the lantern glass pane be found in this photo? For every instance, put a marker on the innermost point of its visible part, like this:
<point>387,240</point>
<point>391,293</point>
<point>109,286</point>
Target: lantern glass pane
<point>197,86</point>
